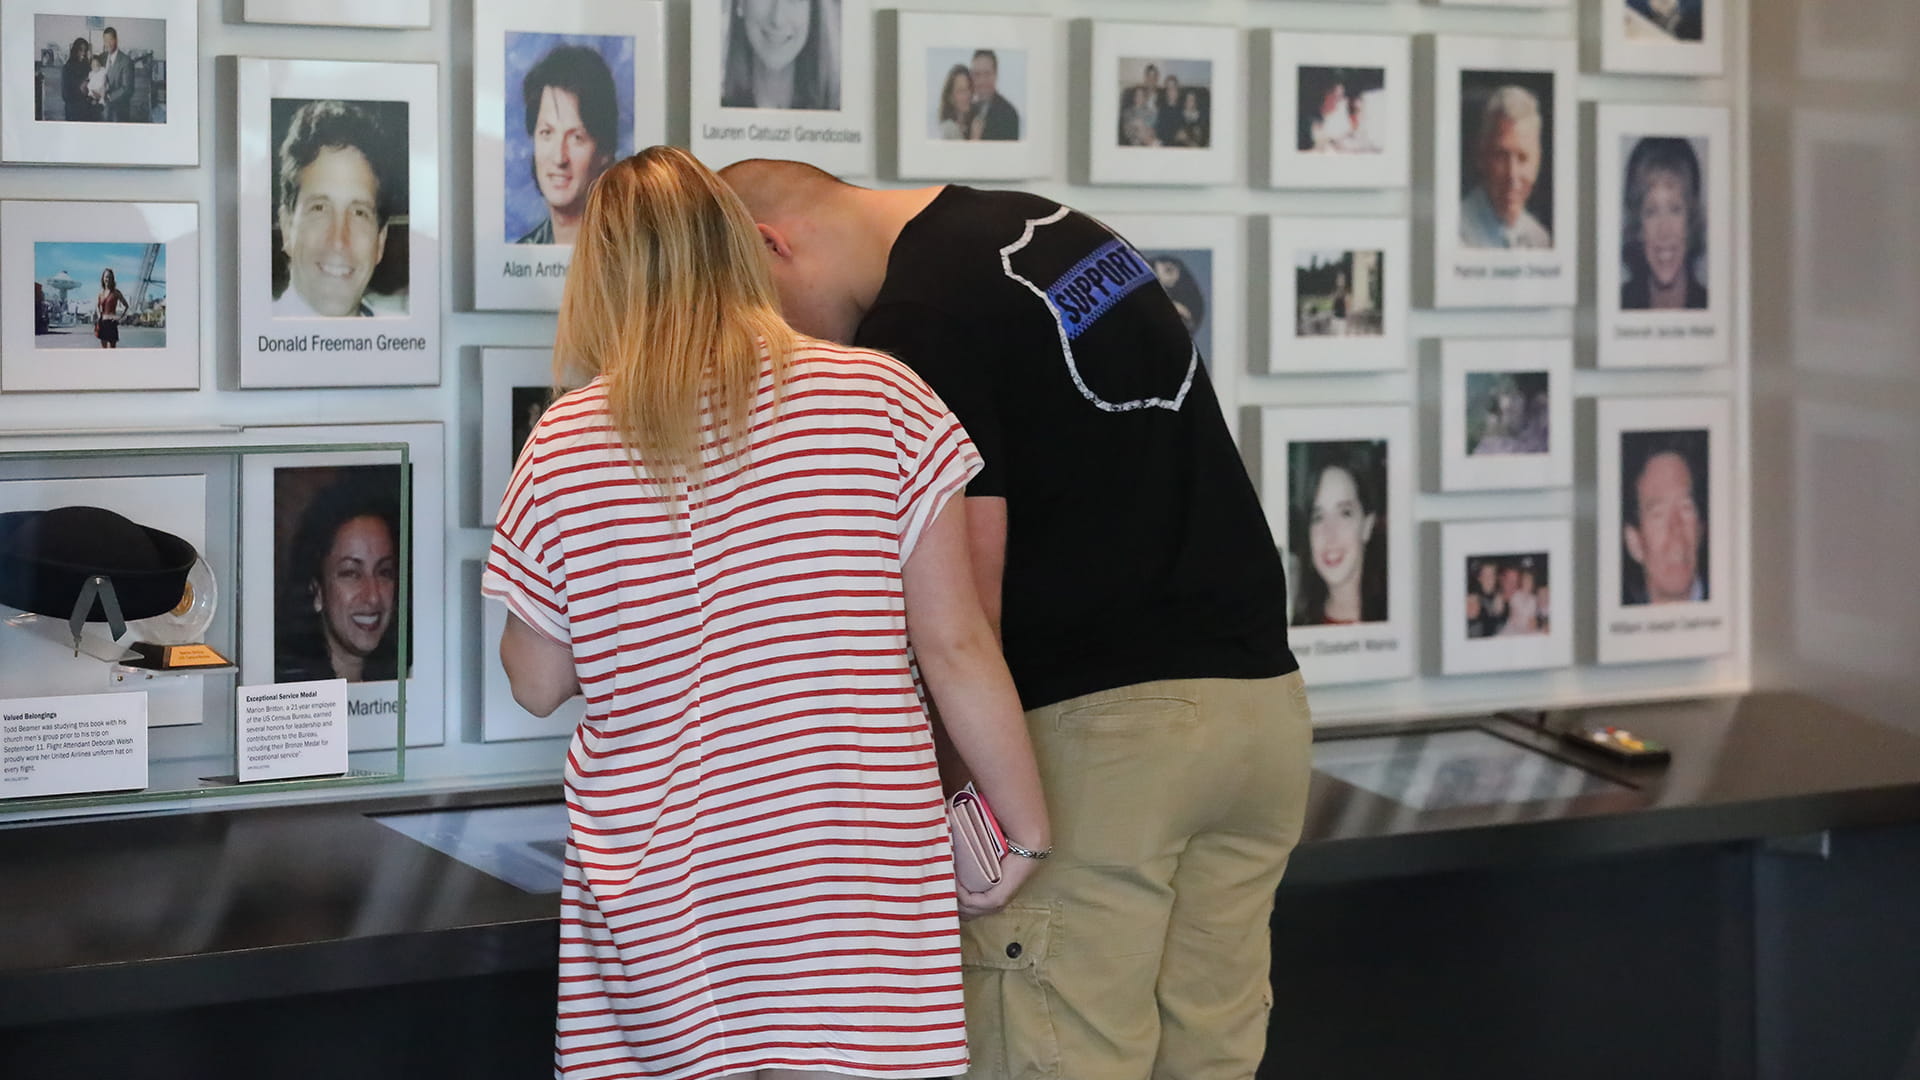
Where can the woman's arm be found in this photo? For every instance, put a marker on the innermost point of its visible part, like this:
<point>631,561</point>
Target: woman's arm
<point>540,671</point>
<point>979,708</point>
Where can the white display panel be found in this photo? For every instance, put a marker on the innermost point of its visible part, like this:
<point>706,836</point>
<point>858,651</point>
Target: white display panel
<point>1506,414</point>
<point>1137,132</point>
<point>1341,110</point>
<point>1507,601</point>
<point>1004,66</point>
<point>1338,489</point>
<point>1665,535</point>
<point>1506,190</point>
<point>764,87</point>
<point>1663,37</point>
<point>390,14</point>
<point>358,251</point>
<point>1338,299</point>
<point>595,78</point>
<point>1664,288</point>
<point>143,108</point>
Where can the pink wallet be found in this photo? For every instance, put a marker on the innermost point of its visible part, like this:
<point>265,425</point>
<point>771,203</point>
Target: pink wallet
<point>978,844</point>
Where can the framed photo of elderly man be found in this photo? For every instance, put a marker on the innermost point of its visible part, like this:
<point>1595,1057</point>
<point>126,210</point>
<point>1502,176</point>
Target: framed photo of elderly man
<point>1166,104</point>
<point>977,96</point>
<point>1665,523</point>
<point>1664,297</point>
<point>561,91</point>
<point>1338,489</point>
<point>1506,188</point>
<point>339,224</point>
<point>1663,37</point>
<point>87,83</point>
<point>784,79</point>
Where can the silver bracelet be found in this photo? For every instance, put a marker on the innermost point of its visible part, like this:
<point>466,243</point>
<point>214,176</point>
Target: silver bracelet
<point>1026,852</point>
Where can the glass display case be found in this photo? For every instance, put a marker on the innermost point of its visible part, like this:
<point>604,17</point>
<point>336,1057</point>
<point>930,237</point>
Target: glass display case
<point>199,619</point>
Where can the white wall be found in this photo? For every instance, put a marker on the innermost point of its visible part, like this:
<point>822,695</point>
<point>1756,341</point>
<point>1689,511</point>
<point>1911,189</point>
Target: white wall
<point>456,401</point>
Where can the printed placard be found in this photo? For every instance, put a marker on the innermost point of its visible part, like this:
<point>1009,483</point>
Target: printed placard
<point>1338,489</point>
<point>1506,187</point>
<point>1665,521</point>
<point>286,731</point>
<point>69,745</point>
<point>784,80</point>
<point>1665,219</point>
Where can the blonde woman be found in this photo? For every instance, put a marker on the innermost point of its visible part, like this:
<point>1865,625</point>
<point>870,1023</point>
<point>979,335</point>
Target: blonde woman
<point>725,541</point>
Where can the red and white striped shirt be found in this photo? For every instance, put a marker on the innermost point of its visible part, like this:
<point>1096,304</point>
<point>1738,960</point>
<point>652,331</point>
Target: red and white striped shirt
<point>759,873</point>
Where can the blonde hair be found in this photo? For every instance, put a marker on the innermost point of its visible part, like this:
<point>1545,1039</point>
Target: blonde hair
<point>669,299</point>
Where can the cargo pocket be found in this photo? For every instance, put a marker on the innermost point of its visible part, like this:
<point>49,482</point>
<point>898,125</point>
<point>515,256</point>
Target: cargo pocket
<point>1010,1032</point>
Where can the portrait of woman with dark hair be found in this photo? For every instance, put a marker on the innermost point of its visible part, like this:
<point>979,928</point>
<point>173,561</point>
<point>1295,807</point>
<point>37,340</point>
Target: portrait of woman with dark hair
<point>336,611</point>
<point>781,54</point>
<point>108,309</point>
<point>958,120</point>
<point>1663,227</point>
<point>1338,520</point>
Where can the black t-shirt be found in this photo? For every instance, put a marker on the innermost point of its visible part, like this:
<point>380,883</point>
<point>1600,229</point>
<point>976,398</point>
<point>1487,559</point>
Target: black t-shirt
<point>1136,546</point>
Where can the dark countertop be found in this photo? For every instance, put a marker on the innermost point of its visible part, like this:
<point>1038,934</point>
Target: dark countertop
<point>177,910</point>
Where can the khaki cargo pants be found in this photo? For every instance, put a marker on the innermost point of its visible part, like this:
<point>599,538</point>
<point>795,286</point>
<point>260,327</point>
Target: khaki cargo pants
<point>1141,949</point>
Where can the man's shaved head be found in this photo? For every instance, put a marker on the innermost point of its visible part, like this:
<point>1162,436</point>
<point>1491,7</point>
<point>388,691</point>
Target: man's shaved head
<point>779,191</point>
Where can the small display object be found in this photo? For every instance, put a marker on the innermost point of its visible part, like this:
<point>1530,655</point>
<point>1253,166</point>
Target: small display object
<point>1342,111</point>
<point>1166,104</point>
<point>977,96</point>
<point>1666,528</point>
<point>380,14</point>
<point>561,91</point>
<point>337,534</point>
<point>784,79</point>
<point>339,224</point>
<point>1666,198</point>
<point>1338,294</point>
<point>115,303</point>
<point>1663,37</point>
<point>1200,260</point>
<point>1506,414</point>
<point>1337,485</point>
<point>1506,194</point>
<point>87,84</point>
<point>1500,609</point>
<point>1620,744</point>
<point>516,386</point>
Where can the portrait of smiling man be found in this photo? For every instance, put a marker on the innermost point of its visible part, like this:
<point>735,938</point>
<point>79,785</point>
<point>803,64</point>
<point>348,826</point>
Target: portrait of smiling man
<point>572,118</point>
<point>1508,152</point>
<point>339,171</point>
<point>1663,502</point>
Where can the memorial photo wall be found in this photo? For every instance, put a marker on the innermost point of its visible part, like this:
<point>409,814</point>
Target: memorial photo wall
<point>1397,340</point>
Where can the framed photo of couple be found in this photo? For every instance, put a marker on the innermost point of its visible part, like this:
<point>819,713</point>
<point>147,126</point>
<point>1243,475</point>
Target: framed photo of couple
<point>1664,295</point>
<point>784,79</point>
<point>977,96</point>
<point>561,91</point>
<point>339,223</point>
<point>86,84</point>
<point>115,303</point>
<point>1338,489</point>
<point>1342,110</point>
<point>1165,104</point>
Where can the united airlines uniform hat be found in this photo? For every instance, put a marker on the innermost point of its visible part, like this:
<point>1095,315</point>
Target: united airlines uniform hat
<point>48,556</point>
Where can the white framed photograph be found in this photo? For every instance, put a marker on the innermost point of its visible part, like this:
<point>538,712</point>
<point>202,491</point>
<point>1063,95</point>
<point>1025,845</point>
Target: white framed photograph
<point>516,386</point>
<point>84,83</point>
<point>115,303</point>
<point>977,96</point>
<point>1166,104</point>
<point>339,223</point>
<point>1506,188</point>
<point>1200,260</point>
<point>1666,199</point>
<point>1854,228</point>
<point>1663,37</point>
<point>786,79</point>
<point>1506,414</point>
<point>1342,111</point>
<point>1499,609</point>
<point>1338,294</point>
<point>378,14</point>
<point>560,93</point>
<point>1665,526</point>
<point>325,528</point>
<point>1338,487</point>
